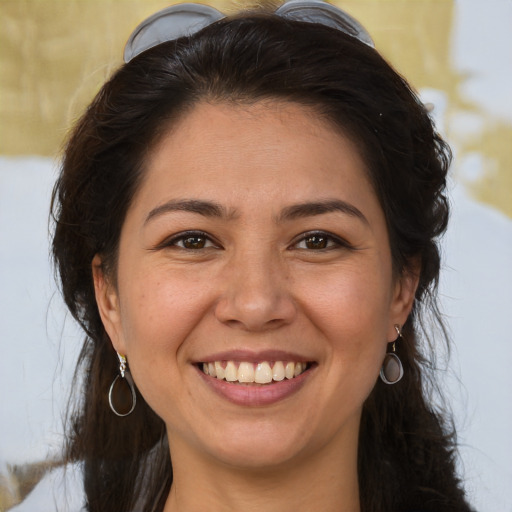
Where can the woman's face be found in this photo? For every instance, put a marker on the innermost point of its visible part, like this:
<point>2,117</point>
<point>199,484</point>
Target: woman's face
<point>255,250</point>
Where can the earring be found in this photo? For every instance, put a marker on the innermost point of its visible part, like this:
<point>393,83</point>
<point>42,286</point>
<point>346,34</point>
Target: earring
<point>126,396</point>
<point>392,370</point>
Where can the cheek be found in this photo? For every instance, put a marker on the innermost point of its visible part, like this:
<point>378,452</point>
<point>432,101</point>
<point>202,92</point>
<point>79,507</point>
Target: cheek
<point>352,313</point>
<point>158,308</point>
<point>157,316</point>
<point>353,302</point>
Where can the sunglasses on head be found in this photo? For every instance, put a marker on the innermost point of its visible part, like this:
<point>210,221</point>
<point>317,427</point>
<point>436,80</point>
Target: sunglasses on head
<point>186,19</point>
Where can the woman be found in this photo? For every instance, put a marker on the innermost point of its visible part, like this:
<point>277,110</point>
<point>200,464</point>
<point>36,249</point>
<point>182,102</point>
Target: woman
<point>246,225</point>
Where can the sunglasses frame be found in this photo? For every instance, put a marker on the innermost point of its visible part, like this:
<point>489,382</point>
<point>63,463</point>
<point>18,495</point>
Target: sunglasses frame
<point>187,19</point>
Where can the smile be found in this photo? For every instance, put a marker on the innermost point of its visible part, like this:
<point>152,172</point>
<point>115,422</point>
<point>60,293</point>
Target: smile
<point>264,372</point>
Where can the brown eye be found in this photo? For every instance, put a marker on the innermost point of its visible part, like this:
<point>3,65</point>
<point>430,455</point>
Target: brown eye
<point>194,242</point>
<point>190,241</point>
<point>316,242</point>
<point>320,241</point>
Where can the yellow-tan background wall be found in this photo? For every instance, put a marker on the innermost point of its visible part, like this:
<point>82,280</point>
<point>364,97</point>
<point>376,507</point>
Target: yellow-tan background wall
<point>55,54</point>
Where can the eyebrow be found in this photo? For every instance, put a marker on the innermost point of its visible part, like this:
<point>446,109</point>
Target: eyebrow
<point>311,209</point>
<point>204,208</point>
<point>296,211</point>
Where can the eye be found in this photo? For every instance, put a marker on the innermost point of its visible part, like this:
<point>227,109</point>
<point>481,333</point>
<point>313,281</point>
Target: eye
<point>319,241</point>
<point>190,241</point>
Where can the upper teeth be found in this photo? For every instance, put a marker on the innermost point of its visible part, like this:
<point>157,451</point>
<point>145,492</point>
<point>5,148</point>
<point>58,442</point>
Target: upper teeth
<point>260,373</point>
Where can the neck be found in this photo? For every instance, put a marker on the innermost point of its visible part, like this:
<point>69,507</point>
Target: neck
<point>325,481</point>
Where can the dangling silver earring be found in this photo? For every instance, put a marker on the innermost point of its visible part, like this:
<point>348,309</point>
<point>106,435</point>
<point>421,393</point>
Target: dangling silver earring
<point>126,407</point>
<point>392,370</point>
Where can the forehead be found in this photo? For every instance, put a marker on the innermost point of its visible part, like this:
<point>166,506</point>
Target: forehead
<point>262,133</point>
<point>266,151</point>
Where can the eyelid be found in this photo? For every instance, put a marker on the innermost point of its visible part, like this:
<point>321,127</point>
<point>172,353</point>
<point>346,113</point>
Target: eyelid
<point>338,241</point>
<point>171,241</point>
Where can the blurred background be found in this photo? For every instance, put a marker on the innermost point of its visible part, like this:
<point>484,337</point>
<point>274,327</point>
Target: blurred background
<point>56,54</point>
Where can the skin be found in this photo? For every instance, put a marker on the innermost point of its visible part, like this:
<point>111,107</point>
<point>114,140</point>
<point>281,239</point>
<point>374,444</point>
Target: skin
<point>258,282</point>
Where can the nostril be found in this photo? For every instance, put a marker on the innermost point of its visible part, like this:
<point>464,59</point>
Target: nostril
<point>254,311</point>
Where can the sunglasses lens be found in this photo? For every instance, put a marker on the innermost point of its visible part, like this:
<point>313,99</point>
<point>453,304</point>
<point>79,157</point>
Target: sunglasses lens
<point>169,24</point>
<point>318,11</point>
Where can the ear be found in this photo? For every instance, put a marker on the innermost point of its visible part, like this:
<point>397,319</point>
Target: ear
<point>403,297</point>
<point>107,300</point>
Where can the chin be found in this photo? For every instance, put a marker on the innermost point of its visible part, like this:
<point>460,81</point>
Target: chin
<point>259,446</point>
<point>245,443</point>
<point>259,456</point>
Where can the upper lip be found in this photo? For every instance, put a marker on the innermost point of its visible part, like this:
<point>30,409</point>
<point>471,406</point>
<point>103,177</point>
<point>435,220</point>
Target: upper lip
<point>254,356</point>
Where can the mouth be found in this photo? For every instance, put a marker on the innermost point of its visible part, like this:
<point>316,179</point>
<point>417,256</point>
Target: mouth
<point>251,373</point>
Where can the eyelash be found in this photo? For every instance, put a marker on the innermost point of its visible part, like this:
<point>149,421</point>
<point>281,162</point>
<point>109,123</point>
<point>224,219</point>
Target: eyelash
<point>333,241</point>
<point>175,239</point>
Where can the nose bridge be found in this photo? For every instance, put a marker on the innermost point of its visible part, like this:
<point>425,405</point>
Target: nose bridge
<point>257,294</point>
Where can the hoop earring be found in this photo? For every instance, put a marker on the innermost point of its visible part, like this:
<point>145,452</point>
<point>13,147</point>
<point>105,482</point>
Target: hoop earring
<point>392,370</point>
<point>127,405</point>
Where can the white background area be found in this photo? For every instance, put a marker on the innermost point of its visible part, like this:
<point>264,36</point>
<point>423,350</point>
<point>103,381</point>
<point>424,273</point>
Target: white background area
<point>38,343</point>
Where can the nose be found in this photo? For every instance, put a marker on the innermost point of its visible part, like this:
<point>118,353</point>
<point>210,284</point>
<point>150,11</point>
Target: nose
<point>256,295</point>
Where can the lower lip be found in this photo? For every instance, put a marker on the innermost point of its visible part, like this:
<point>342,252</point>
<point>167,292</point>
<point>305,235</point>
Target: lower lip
<point>256,395</point>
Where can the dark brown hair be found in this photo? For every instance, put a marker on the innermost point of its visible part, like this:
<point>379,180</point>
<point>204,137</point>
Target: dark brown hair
<point>406,451</point>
